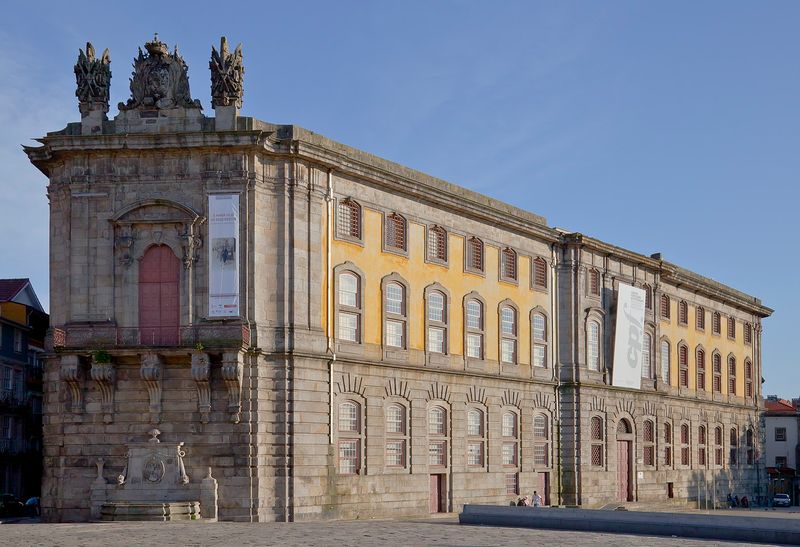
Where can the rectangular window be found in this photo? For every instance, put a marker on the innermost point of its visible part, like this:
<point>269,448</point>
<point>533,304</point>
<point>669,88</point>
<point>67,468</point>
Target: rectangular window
<point>394,334</point>
<point>475,454</point>
<point>685,455</point>
<point>8,378</point>
<point>348,457</point>
<point>540,454</point>
<point>475,346</point>
<point>7,430</point>
<point>508,351</point>
<point>18,341</point>
<point>780,461</point>
<point>396,453</point>
<point>650,455</point>
<point>348,326</point>
<point>435,340</point>
<point>509,453</point>
<point>701,456</point>
<point>539,356</point>
<point>780,433</point>
<point>597,455</point>
<point>731,328</point>
<point>437,452</point>
<point>512,484</point>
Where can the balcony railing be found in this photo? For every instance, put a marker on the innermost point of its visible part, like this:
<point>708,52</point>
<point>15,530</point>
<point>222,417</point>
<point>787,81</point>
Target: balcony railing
<point>212,335</point>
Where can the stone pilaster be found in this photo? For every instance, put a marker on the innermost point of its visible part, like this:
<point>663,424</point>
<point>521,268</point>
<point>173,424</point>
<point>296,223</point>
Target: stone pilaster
<point>105,377</point>
<point>152,372</point>
<point>232,373</point>
<point>201,374</point>
<point>71,375</point>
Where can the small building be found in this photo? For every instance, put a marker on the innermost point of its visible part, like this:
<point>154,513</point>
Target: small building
<point>23,323</point>
<point>782,445</point>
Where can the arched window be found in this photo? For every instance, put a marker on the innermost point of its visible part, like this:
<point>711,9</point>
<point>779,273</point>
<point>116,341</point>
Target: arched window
<point>683,313</point>
<point>647,352</point>
<point>539,327</point>
<point>716,323</point>
<point>539,273</point>
<point>510,435</point>
<point>437,244</point>
<point>473,312</point>
<point>665,364</point>
<point>667,444</point>
<point>348,219</point>
<point>732,375</point>
<point>701,446</point>
<point>648,297</point>
<point>349,312</point>
<point>396,232</point>
<point>716,360</point>
<point>649,443</point>
<point>476,438</point>
<point>508,264</point>
<point>748,378</point>
<point>508,335</point>
<point>350,435</point>
<point>437,437</point>
<point>593,345</point>
<point>541,440</point>
<point>664,305</point>
<point>700,318</point>
<point>748,439</point>
<point>683,365</point>
<point>718,446</point>
<point>734,444</point>
<point>395,315</point>
<point>685,449</point>
<point>396,435</point>
<point>748,334</point>
<point>598,441</point>
<point>475,254</point>
<point>700,365</point>
<point>732,328</point>
<point>593,287</point>
<point>437,322</point>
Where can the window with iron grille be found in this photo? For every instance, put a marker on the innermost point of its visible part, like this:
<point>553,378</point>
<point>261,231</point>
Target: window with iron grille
<point>437,244</point>
<point>593,345</point>
<point>717,368</point>
<point>748,334</point>
<point>510,439</point>
<point>473,311</point>
<point>476,438</point>
<point>748,440</point>
<point>395,315</point>
<point>647,351</point>
<point>649,443</point>
<point>348,457</point>
<point>437,432</point>
<point>683,313</point>
<point>512,484</point>
<point>701,446</point>
<point>683,364</point>
<point>732,375</point>
<point>594,282</point>
<point>349,429</point>
<point>348,219</point>
<point>349,313</point>
<point>539,273</point>
<point>598,445</point>
<point>437,453</point>
<point>508,335</point>
<point>648,297</point>
<point>685,453</point>
<point>475,254</point>
<point>716,323</point>
<point>508,264</point>
<point>437,322</point>
<point>718,447</point>
<point>731,328</point>
<point>665,361</point>
<point>700,359</point>
<point>748,378</point>
<point>396,435</point>
<point>664,305</point>
<point>734,444</point>
<point>396,232</point>
<point>541,439</point>
<point>667,444</point>
<point>700,318</point>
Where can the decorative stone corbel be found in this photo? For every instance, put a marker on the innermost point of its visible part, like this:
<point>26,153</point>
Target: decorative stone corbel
<point>232,373</point>
<point>105,376</point>
<point>201,374</point>
<point>152,371</point>
<point>71,375</point>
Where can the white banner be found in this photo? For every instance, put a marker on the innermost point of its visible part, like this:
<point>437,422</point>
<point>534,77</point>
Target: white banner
<point>223,255</point>
<point>628,337</point>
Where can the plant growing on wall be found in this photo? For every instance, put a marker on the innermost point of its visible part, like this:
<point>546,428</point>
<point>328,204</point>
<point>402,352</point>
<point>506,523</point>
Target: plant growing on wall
<point>101,356</point>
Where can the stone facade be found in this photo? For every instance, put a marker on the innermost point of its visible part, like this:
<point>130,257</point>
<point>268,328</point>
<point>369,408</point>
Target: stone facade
<point>312,402</point>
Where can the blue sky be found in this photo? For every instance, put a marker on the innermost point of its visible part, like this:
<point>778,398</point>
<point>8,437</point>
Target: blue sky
<point>656,126</point>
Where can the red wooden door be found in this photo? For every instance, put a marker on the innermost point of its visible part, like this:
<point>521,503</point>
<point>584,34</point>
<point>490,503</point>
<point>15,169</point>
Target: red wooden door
<point>159,308</point>
<point>544,488</point>
<point>622,470</point>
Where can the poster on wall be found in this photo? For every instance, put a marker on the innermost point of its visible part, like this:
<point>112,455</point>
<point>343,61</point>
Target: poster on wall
<point>223,259</point>
<point>628,337</point>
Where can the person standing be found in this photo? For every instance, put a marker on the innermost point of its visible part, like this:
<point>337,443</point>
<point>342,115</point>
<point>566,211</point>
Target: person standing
<point>537,499</point>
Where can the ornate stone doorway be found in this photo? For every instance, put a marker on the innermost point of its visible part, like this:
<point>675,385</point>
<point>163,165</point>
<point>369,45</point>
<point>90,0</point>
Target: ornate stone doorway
<point>159,297</point>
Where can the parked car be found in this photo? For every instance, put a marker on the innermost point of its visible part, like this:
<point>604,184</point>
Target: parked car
<point>11,506</point>
<point>781,500</point>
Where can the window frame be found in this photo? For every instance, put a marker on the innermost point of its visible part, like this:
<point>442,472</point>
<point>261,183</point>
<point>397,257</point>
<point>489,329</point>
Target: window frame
<point>350,436</point>
<point>732,366</point>
<point>541,442</point>
<point>716,323</point>
<point>443,325</point>
<point>649,454</point>
<point>597,443</point>
<point>683,365</point>
<point>668,442</point>
<point>731,327</point>
<point>398,221</point>
<point>664,304</point>
<point>474,331</point>
<point>686,445</point>
<point>543,342</point>
<point>512,440</point>
<point>388,316</point>
<point>339,308</point>
<point>353,206</point>
<point>700,368</point>
<point>647,350</point>
<point>749,392</point>
<point>668,365</point>
<point>505,336</point>
<point>539,268</point>
<point>590,322</point>
<point>436,438</point>
<point>509,266</point>
<point>479,439</point>
<point>716,370</point>
<point>700,318</point>
<point>593,283</point>
<point>648,297</point>
<point>470,245</point>
<point>702,446</point>
<point>401,437</point>
<point>733,443</point>
<point>440,247</point>
<point>747,333</point>
<point>683,313</point>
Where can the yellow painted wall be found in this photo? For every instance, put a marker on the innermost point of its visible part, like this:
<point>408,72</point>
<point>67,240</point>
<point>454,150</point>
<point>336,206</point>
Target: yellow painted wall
<point>14,312</point>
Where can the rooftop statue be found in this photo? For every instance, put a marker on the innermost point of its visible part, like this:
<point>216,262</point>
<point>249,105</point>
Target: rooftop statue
<point>160,79</point>
<point>227,74</point>
<point>93,77</point>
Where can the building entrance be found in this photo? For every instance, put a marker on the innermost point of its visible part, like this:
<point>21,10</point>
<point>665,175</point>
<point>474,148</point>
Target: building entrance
<point>159,310</point>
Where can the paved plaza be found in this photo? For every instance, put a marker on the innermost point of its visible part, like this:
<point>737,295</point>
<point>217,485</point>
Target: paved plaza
<point>442,531</point>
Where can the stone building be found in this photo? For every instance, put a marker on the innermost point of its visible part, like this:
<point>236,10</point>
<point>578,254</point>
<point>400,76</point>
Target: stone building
<point>782,445</point>
<point>338,336</point>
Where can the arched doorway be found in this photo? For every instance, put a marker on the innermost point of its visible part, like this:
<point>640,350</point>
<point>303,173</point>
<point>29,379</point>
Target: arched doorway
<point>159,307</point>
<point>624,461</point>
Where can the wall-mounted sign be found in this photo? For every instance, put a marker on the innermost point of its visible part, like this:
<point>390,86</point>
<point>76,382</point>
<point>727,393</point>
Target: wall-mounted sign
<point>223,255</point>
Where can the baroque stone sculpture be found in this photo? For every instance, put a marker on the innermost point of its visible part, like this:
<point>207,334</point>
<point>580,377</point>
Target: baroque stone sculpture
<point>160,79</point>
<point>93,77</point>
<point>227,75</point>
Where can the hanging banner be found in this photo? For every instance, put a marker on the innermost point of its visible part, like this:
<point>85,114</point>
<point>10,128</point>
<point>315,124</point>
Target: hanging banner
<point>223,255</point>
<point>628,337</point>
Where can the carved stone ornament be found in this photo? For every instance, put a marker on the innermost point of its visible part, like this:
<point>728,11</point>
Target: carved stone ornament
<point>105,376</point>
<point>227,75</point>
<point>160,79</point>
<point>232,373</point>
<point>71,375</point>
<point>152,371</point>
<point>93,77</point>
<point>201,374</point>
